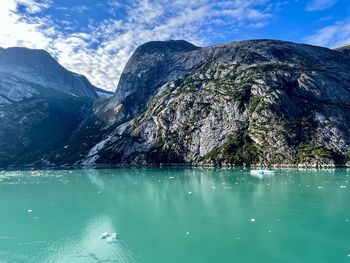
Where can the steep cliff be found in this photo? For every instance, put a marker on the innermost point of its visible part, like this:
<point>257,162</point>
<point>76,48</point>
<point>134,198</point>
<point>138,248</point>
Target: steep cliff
<point>251,102</point>
<point>258,102</point>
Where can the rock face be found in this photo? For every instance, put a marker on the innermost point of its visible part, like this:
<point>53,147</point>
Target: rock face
<point>41,105</point>
<point>252,102</point>
<point>344,49</point>
<point>258,102</point>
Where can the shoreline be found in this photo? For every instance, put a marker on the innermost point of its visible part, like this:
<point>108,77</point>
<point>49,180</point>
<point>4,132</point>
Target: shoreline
<point>203,166</point>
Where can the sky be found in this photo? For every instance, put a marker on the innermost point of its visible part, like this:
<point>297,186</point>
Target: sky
<point>97,37</point>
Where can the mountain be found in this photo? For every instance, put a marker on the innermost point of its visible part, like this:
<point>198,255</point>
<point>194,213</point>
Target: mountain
<point>344,49</point>
<point>37,66</point>
<point>103,94</point>
<point>259,102</point>
<point>41,105</point>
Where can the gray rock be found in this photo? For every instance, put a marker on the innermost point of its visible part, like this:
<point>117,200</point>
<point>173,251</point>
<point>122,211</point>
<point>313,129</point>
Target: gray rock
<point>259,102</point>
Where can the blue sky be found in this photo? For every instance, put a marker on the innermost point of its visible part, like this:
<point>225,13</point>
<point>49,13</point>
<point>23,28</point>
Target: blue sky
<point>97,37</point>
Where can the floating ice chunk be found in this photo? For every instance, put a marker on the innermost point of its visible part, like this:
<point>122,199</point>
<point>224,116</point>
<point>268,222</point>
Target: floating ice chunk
<point>343,186</point>
<point>213,187</point>
<point>252,220</point>
<point>320,187</point>
<point>111,238</point>
<point>261,173</point>
<point>187,233</point>
<point>104,235</point>
<point>190,193</point>
<point>29,210</point>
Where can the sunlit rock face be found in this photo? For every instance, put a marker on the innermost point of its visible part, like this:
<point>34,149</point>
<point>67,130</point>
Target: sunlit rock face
<point>251,102</point>
<point>258,102</point>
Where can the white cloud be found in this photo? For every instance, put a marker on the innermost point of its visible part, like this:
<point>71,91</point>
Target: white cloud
<point>103,49</point>
<point>33,6</point>
<point>318,5</point>
<point>335,35</point>
<point>16,30</point>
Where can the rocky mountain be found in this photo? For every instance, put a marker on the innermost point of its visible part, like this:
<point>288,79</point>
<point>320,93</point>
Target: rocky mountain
<point>252,102</point>
<point>344,49</point>
<point>41,105</point>
<point>39,67</point>
<point>258,102</point>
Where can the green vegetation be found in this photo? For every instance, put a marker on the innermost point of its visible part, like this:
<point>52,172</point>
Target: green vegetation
<point>307,152</point>
<point>238,150</point>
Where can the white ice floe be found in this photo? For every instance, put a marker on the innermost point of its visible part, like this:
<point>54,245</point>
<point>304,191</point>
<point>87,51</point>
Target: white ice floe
<point>29,210</point>
<point>109,237</point>
<point>112,238</point>
<point>104,235</point>
<point>252,220</point>
<point>261,173</point>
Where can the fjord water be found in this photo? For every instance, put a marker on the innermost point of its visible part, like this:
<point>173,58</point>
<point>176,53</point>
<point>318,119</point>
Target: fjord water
<point>174,215</point>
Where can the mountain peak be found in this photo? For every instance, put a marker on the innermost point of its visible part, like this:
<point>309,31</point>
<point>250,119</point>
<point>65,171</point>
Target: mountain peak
<point>344,49</point>
<point>39,67</point>
<point>165,47</point>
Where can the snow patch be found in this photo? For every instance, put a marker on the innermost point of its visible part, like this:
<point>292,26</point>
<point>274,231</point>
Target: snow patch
<point>12,89</point>
<point>92,155</point>
<point>103,95</point>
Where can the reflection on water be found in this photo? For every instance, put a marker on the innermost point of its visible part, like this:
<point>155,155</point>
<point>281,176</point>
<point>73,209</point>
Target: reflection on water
<point>174,215</point>
<point>89,247</point>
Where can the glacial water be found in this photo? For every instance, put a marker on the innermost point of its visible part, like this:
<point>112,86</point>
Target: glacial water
<point>174,215</point>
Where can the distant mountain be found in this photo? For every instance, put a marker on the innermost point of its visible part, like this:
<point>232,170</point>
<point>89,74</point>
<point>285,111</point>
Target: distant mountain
<point>344,49</point>
<point>104,94</point>
<point>41,105</point>
<point>38,67</point>
<point>258,102</point>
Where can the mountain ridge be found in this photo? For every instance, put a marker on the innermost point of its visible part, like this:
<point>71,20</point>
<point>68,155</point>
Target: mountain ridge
<point>288,66</point>
<point>252,102</point>
<point>38,66</point>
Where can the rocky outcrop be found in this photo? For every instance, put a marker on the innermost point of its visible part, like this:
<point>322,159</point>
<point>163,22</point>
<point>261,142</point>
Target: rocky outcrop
<point>252,102</point>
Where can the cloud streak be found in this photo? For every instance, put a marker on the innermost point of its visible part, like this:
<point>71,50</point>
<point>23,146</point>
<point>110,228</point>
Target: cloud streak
<point>335,35</point>
<point>102,49</point>
<point>319,5</point>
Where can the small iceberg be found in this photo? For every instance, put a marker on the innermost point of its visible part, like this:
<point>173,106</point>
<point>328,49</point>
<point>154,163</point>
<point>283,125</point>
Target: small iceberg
<point>104,235</point>
<point>109,237</point>
<point>112,238</point>
<point>262,173</point>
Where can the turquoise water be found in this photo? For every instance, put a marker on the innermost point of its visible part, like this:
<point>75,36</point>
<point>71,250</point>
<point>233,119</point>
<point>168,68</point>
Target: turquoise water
<point>175,215</point>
